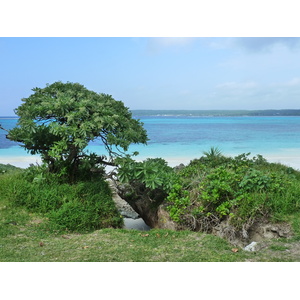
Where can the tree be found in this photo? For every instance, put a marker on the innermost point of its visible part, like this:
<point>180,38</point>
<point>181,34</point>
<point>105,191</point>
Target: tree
<point>59,121</point>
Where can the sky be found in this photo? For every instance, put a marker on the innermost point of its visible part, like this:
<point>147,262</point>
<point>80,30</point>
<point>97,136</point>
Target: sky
<point>157,73</point>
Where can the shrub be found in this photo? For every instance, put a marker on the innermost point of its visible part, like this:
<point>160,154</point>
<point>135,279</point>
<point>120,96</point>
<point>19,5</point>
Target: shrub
<point>152,177</point>
<point>180,200</point>
<point>86,205</point>
<point>91,213</point>
<point>240,189</point>
<point>7,168</point>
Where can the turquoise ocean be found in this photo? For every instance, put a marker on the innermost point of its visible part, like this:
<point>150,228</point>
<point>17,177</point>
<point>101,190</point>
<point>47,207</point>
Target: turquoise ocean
<point>179,136</point>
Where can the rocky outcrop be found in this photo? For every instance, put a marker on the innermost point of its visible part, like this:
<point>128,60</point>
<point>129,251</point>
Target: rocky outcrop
<point>146,209</point>
<point>155,216</point>
<point>261,231</point>
<point>123,207</point>
<point>164,221</point>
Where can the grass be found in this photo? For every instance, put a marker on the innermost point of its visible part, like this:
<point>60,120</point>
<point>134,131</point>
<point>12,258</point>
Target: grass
<point>28,237</point>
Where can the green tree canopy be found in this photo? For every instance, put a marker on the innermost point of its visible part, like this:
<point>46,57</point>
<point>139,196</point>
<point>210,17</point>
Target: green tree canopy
<point>59,121</point>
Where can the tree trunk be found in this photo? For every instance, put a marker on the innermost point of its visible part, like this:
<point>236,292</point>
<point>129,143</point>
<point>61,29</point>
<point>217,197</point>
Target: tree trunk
<point>153,213</point>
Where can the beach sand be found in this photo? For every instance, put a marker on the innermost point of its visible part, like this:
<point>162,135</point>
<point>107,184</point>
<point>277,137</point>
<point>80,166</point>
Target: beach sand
<point>288,157</point>
<point>20,161</point>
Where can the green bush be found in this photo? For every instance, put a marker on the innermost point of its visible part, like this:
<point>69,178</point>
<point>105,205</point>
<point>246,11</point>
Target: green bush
<point>151,177</point>
<point>84,206</point>
<point>240,189</point>
<point>93,212</point>
<point>180,200</point>
<point>91,209</point>
<point>7,168</point>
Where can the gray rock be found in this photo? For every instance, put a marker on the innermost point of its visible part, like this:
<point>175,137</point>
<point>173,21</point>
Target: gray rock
<point>251,247</point>
<point>123,207</point>
<point>137,224</point>
<point>129,214</point>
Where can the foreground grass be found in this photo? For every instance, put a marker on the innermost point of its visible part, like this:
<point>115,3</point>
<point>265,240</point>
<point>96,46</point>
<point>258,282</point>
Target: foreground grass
<point>27,237</point>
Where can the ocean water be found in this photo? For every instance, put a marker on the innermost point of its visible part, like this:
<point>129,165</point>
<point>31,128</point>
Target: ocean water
<point>180,137</point>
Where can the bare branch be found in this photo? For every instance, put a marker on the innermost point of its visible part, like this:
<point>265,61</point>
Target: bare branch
<point>3,128</point>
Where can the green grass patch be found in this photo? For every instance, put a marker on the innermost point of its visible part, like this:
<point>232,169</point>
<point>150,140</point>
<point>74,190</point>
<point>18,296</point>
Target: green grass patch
<point>30,237</point>
<point>35,242</point>
<point>80,207</point>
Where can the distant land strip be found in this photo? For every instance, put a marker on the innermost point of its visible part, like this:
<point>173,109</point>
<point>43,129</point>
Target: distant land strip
<point>206,113</point>
<point>217,113</point>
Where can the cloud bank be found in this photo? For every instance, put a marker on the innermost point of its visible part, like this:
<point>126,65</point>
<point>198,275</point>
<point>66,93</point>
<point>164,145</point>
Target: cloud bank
<point>257,44</point>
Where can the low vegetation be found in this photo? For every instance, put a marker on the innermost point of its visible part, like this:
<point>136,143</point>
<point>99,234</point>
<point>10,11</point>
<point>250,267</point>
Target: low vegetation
<point>45,218</point>
<point>81,207</point>
<point>242,190</point>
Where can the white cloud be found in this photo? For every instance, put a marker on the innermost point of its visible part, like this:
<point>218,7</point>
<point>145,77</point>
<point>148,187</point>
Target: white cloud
<point>257,44</point>
<point>253,44</point>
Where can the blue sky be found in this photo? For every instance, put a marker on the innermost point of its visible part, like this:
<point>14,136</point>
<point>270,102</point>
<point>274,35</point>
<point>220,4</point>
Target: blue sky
<point>157,73</point>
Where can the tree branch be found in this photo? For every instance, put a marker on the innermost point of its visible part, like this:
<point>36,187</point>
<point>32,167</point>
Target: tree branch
<point>100,160</point>
<point>3,128</point>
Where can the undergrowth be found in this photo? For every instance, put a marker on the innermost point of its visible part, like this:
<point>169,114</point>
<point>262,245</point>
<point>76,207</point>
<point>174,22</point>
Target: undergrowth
<point>241,190</point>
<point>81,207</point>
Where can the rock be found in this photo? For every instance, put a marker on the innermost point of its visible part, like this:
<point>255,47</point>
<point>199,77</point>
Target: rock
<point>251,247</point>
<point>164,221</point>
<point>129,214</point>
<point>137,224</point>
<point>141,203</point>
<point>179,167</point>
<point>122,206</point>
<point>263,231</point>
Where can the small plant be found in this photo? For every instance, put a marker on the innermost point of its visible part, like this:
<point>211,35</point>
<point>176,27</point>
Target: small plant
<point>213,153</point>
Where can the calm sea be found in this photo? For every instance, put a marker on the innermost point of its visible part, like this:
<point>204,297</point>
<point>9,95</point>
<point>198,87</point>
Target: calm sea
<point>182,136</point>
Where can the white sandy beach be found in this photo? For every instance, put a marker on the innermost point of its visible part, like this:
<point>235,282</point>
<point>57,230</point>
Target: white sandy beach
<point>288,157</point>
<point>293,162</point>
<point>20,161</point>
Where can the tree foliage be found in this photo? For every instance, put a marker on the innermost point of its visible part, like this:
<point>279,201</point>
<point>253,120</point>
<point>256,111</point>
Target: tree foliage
<point>60,120</point>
